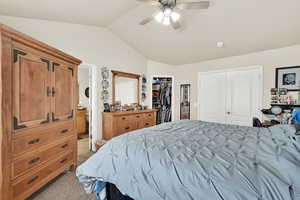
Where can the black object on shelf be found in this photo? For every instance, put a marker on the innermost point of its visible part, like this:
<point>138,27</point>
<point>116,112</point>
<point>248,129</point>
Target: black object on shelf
<point>286,105</point>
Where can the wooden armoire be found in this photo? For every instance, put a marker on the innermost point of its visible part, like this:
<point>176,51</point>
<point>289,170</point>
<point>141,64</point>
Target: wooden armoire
<point>38,97</point>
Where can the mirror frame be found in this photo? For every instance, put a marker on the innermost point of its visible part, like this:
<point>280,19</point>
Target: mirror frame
<point>126,75</point>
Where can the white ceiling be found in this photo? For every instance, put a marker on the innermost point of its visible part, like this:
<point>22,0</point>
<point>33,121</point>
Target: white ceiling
<point>89,12</point>
<point>244,26</point>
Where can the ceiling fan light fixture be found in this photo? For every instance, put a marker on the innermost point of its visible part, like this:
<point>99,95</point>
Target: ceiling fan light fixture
<point>166,21</point>
<point>168,12</point>
<point>175,16</point>
<point>159,17</point>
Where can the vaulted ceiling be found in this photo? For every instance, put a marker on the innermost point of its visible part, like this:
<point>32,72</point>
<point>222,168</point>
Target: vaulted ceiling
<point>244,26</point>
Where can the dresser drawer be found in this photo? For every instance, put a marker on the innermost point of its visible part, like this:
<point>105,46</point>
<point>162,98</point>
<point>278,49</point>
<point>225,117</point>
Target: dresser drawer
<point>123,119</point>
<point>148,123</point>
<point>126,127</point>
<point>32,139</point>
<point>40,177</point>
<point>138,117</point>
<point>149,116</point>
<point>26,163</point>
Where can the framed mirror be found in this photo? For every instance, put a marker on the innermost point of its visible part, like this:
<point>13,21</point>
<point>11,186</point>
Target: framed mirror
<point>125,88</point>
<point>185,101</point>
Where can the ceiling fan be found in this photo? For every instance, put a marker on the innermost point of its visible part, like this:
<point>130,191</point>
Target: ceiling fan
<point>168,14</point>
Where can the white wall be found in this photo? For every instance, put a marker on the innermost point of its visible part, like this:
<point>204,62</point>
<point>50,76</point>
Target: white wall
<point>93,45</point>
<point>271,59</point>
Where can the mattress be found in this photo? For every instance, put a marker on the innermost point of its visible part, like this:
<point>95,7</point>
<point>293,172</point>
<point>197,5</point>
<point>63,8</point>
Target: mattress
<point>199,160</point>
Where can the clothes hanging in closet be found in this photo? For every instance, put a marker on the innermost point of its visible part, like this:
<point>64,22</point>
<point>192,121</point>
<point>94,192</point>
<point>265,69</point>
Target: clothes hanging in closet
<point>162,99</point>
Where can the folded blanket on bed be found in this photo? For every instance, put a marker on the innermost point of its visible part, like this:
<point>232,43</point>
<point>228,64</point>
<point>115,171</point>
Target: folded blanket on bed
<point>199,160</point>
<point>101,190</point>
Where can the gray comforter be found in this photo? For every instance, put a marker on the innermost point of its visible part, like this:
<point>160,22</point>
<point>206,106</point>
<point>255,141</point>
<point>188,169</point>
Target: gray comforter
<point>196,160</point>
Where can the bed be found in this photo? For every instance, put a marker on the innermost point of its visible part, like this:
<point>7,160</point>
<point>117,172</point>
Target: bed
<point>197,160</point>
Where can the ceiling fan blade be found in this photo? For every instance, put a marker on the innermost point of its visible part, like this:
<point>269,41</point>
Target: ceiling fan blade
<point>153,2</point>
<point>175,24</point>
<point>193,5</point>
<point>146,21</point>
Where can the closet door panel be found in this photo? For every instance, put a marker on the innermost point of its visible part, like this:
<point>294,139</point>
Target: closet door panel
<point>212,96</point>
<point>63,92</point>
<point>31,84</point>
<point>243,96</point>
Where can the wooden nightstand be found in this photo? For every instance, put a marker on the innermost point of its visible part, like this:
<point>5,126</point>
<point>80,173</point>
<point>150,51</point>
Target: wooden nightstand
<point>81,121</point>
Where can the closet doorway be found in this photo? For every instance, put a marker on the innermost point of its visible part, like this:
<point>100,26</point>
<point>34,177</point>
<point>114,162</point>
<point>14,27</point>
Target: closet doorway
<point>163,98</point>
<point>231,97</point>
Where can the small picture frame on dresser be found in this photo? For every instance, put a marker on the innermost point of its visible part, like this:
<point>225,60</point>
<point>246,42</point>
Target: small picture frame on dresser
<point>106,107</point>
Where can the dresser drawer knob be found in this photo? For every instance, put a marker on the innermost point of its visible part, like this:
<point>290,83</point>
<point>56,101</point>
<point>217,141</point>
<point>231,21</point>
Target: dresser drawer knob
<point>137,116</point>
<point>64,131</point>
<point>34,141</point>
<point>149,115</point>
<point>123,118</point>
<point>34,160</point>
<point>64,160</point>
<point>64,146</point>
<point>147,124</point>
<point>127,128</point>
<point>32,180</point>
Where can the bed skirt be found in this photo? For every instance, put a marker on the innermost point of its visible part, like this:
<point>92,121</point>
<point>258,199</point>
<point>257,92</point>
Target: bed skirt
<point>108,191</point>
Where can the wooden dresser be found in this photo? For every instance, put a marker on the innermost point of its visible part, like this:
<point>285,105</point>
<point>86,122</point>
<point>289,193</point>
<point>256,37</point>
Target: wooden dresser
<point>118,123</point>
<point>38,94</point>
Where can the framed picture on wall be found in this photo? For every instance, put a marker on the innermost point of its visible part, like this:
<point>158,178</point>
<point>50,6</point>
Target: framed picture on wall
<point>288,77</point>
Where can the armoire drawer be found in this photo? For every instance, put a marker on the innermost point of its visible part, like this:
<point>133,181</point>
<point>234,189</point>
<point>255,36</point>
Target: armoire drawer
<point>40,177</point>
<point>23,164</point>
<point>37,137</point>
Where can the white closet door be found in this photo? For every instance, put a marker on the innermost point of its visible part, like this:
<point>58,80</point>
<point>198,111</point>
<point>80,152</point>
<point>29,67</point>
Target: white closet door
<point>212,99</point>
<point>244,91</point>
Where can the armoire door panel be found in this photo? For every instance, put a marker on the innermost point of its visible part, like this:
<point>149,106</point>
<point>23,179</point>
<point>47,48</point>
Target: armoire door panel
<point>31,78</point>
<point>63,92</point>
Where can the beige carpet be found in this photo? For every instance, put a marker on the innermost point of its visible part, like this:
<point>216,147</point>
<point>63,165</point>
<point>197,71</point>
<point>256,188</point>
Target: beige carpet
<point>66,186</point>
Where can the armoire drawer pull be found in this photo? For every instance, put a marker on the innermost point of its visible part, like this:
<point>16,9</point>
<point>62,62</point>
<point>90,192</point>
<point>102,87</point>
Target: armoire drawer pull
<point>147,124</point>
<point>32,180</point>
<point>53,92</point>
<point>64,131</point>
<point>34,141</point>
<point>127,128</point>
<point>149,115</point>
<point>137,116</point>
<point>64,146</point>
<point>123,118</point>
<point>34,160</point>
<point>64,160</point>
